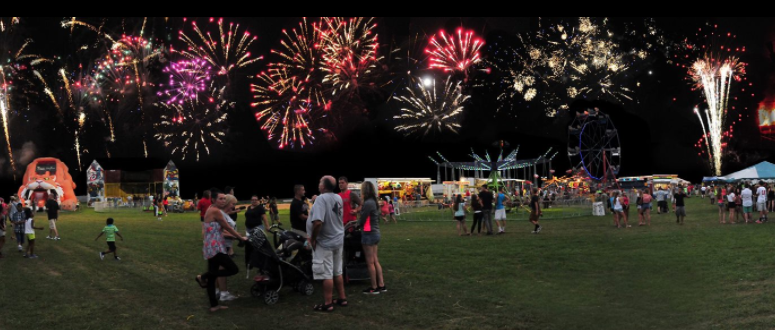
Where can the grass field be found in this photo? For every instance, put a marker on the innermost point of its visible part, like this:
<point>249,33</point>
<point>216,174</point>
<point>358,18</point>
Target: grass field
<point>579,273</point>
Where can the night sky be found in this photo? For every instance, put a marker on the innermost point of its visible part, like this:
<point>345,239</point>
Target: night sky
<point>657,132</point>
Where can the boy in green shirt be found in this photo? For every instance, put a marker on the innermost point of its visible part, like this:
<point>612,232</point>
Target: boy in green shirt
<point>110,232</point>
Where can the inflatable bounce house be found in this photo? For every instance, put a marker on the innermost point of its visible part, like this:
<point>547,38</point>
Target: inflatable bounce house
<point>45,176</point>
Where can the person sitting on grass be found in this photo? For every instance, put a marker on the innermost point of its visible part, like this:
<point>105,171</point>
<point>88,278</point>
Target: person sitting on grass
<point>110,232</point>
<point>30,232</point>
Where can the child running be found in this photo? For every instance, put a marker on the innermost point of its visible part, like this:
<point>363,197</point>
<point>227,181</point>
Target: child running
<point>110,232</point>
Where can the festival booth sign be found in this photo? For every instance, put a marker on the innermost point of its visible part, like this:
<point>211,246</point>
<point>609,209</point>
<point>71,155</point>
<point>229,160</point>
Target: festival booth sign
<point>95,183</point>
<point>767,119</point>
<point>665,181</point>
<point>635,182</point>
<point>402,187</point>
<point>171,181</point>
<point>44,177</point>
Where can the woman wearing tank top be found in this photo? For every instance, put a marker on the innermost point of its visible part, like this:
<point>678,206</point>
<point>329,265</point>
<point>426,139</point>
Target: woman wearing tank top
<point>459,207</point>
<point>214,250</point>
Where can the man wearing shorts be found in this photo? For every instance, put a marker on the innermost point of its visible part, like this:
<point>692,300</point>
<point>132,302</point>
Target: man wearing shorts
<point>535,211</point>
<point>680,207</point>
<point>761,202</point>
<point>52,208</point>
<point>747,196</point>
<point>326,238</point>
<point>500,211</point>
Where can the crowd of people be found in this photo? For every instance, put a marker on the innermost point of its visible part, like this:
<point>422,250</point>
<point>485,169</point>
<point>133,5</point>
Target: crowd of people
<point>488,205</point>
<point>742,201</point>
<point>322,219</point>
<point>22,224</point>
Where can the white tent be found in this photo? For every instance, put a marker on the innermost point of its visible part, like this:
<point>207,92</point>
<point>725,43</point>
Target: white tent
<point>761,171</point>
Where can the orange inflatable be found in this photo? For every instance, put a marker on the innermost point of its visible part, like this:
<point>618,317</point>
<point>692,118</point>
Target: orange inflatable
<point>46,176</point>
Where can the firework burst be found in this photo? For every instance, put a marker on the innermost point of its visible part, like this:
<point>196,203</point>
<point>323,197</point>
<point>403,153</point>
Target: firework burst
<point>289,95</point>
<point>283,108</point>
<point>190,128</point>
<point>452,53</point>
<point>227,52</point>
<point>563,62</point>
<point>349,47</point>
<point>430,108</point>
<point>187,78</point>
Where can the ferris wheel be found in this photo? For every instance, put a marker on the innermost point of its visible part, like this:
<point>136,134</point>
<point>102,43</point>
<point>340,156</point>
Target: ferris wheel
<point>593,144</point>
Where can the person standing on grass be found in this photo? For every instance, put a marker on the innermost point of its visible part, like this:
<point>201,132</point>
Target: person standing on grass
<point>29,230</point>
<point>646,206</point>
<point>771,198</point>
<point>18,219</point>
<point>680,207</point>
<point>639,202</point>
<point>661,201</point>
<point>351,201</point>
<point>703,189</point>
<point>738,204</point>
<point>221,287</point>
<point>203,205</point>
<point>52,209</point>
<point>369,223</point>
<point>273,211</point>
<point>500,210</point>
<point>233,212</point>
<point>761,202</point>
<point>476,205</point>
<point>535,211</point>
<point>110,232</point>
<point>384,210</point>
<point>747,196</point>
<point>11,211</point>
<point>392,210</point>
<point>255,217</point>
<point>299,209</point>
<point>626,207</point>
<point>459,207</point>
<point>325,229</point>
<point>214,249</point>
<point>731,198</point>
<point>2,233</point>
<point>612,207</point>
<point>619,209</point>
<point>485,196</point>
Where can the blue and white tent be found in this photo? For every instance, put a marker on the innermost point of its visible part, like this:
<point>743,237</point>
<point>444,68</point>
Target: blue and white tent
<point>761,171</point>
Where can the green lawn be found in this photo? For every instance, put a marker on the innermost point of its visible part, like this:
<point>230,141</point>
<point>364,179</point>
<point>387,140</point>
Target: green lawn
<point>579,273</point>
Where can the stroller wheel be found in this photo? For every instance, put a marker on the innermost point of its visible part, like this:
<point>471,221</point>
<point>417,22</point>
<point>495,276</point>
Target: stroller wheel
<point>271,297</point>
<point>305,288</point>
<point>257,290</point>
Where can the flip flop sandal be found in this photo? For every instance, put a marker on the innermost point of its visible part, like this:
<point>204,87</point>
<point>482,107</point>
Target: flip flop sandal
<point>324,308</point>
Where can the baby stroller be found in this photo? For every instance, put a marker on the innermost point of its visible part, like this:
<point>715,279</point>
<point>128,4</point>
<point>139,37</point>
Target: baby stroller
<point>274,273</point>
<point>354,266</point>
<point>290,247</point>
